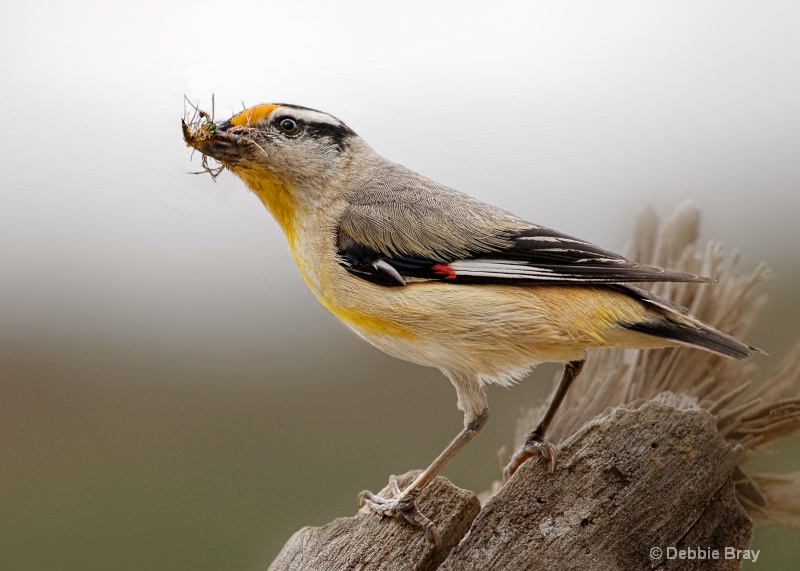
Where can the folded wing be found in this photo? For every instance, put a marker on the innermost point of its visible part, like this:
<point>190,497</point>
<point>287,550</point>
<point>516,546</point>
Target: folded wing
<point>400,227</point>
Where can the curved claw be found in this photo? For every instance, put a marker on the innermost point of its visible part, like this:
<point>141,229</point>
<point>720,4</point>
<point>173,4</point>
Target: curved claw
<point>416,517</point>
<point>528,450</point>
<point>400,506</point>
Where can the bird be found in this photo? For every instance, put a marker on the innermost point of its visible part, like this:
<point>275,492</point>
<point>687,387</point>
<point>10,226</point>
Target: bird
<point>438,278</point>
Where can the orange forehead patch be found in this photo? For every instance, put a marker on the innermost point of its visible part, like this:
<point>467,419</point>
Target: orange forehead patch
<point>252,115</point>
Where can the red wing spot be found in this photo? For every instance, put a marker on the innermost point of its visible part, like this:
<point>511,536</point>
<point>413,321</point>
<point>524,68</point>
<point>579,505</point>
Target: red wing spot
<point>444,270</point>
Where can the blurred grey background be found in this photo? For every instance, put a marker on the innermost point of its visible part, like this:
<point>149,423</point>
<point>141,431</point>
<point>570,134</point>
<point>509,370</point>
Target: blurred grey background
<point>171,395</point>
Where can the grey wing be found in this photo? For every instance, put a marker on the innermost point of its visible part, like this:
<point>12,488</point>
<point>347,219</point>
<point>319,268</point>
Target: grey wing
<point>411,229</point>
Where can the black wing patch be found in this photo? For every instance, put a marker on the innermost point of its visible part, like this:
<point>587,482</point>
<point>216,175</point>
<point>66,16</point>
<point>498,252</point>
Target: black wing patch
<point>373,266</point>
<point>536,255</point>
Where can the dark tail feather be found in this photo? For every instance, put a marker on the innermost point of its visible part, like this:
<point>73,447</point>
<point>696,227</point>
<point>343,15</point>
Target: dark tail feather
<point>687,331</point>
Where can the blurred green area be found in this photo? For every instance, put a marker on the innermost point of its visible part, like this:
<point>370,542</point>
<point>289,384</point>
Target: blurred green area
<point>111,463</point>
<point>107,468</point>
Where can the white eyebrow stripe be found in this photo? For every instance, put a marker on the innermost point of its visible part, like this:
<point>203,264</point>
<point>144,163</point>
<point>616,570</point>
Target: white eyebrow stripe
<point>307,115</point>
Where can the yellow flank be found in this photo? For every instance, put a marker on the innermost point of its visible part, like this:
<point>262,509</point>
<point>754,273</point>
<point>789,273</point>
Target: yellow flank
<point>253,115</point>
<point>276,195</point>
<point>598,311</point>
<point>586,315</point>
<point>368,323</point>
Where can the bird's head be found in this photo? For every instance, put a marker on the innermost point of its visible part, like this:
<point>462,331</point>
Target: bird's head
<point>292,142</point>
<point>287,154</point>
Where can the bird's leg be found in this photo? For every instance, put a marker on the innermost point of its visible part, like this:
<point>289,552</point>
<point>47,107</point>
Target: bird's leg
<point>402,505</point>
<point>534,441</point>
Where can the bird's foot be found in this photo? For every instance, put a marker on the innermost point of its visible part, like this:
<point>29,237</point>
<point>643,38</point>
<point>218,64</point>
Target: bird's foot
<point>533,446</point>
<point>403,505</point>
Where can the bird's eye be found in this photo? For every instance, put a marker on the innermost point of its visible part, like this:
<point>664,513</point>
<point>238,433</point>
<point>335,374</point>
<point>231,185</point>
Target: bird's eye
<point>288,125</point>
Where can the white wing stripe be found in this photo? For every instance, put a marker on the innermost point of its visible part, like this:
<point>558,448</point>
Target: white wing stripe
<point>509,266</point>
<point>513,271</point>
<point>551,239</point>
<point>510,269</point>
<point>531,275</point>
<point>478,267</point>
